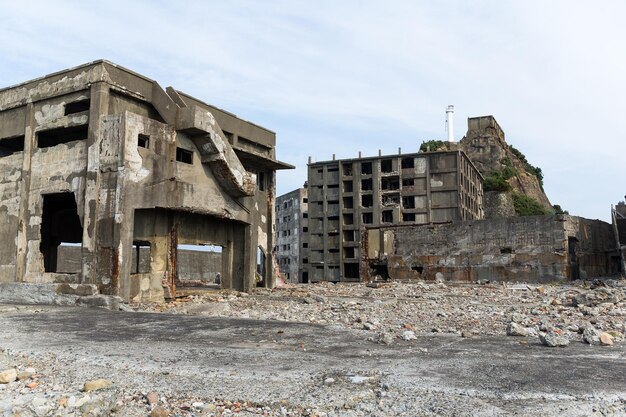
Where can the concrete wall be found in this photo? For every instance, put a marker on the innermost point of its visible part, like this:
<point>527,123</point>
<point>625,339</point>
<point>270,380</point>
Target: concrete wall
<point>536,248</point>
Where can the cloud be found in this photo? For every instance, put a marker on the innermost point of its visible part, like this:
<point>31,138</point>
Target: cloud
<point>339,77</point>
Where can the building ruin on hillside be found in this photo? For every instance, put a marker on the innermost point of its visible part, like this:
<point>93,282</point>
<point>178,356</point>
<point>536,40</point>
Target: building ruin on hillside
<point>104,159</point>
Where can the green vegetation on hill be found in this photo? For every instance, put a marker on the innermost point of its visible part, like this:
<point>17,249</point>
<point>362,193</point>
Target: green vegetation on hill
<point>527,206</point>
<point>431,145</point>
<point>497,180</point>
<point>536,171</point>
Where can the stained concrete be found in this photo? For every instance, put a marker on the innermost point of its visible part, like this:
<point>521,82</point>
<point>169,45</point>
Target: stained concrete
<point>124,160</point>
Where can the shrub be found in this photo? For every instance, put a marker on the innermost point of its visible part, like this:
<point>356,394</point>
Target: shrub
<point>431,144</point>
<point>536,171</point>
<point>527,206</point>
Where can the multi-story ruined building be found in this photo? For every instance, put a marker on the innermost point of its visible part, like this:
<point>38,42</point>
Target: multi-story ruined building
<point>346,196</point>
<point>105,159</point>
<point>291,235</point>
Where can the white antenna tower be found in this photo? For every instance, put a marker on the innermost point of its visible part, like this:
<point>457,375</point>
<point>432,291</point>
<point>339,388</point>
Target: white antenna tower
<point>450,122</point>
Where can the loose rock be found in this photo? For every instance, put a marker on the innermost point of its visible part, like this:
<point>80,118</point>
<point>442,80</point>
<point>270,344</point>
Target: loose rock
<point>7,376</point>
<point>96,384</point>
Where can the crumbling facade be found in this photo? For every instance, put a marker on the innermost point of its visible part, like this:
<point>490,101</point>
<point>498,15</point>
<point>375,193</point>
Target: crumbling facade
<point>346,196</point>
<point>618,217</point>
<point>291,235</point>
<point>105,159</point>
<point>533,248</point>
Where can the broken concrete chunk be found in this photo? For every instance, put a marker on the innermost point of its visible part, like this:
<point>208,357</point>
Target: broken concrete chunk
<point>554,339</point>
<point>591,336</point>
<point>7,376</point>
<point>96,384</point>
<point>514,329</point>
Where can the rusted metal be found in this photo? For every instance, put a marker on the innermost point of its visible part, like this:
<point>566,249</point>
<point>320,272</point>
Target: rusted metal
<point>172,257</point>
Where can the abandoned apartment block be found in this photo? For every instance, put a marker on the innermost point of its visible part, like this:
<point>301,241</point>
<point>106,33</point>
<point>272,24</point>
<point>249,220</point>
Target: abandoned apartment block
<point>106,178</point>
<point>291,235</point>
<point>348,196</point>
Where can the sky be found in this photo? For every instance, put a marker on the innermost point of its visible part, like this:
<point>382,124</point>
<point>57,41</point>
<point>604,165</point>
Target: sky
<point>339,77</point>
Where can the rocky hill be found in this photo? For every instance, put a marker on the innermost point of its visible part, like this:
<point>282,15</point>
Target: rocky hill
<point>512,185</point>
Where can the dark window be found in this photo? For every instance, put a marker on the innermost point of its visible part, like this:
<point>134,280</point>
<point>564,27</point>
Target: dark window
<point>386,165</point>
<point>305,215</point>
<point>76,107</point>
<point>408,202</point>
<point>9,146</point>
<point>387,216</point>
<point>305,229</point>
<point>348,202</point>
<point>143,141</point>
<point>348,236</point>
<point>305,200</point>
<point>347,186</point>
<point>305,245</point>
<point>347,169</point>
<point>408,182</point>
<point>366,168</point>
<point>348,219</point>
<point>408,163</point>
<point>368,218</point>
<point>408,217</point>
<point>366,185</point>
<point>367,200</point>
<point>260,180</point>
<point>184,155</point>
<point>390,183</point>
<point>351,270</point>
<point>348,252</point>
<point>55,137</point>
<point>229,136</point>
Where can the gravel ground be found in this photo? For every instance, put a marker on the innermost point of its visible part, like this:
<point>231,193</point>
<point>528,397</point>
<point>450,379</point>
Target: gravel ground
<point>326,350</point>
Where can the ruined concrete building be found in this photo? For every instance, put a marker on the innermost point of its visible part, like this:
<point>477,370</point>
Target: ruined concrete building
<point>532,248</point>
<point>101,158</point>
<point>292,223</point>
<point>347,196</point>
<point>618,217</point>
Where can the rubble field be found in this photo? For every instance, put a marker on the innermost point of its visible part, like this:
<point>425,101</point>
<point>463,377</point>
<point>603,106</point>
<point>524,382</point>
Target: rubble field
<point>394,310</point>
<point>380,349</point>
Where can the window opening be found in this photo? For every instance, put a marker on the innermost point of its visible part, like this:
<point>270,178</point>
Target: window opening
<point>77,107</point>
<point>184,155</point>
<point>53,137</point>
<point>60,225</point>
<point>9,146</point>
<point>143,141</point>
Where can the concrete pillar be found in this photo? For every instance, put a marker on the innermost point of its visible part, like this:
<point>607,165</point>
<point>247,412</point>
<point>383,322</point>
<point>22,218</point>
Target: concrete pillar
<point>99,102</point>
<point>24,192</point>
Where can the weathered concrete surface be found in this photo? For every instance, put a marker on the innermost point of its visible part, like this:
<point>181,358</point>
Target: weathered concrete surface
<point>486,146</point>
<point>63,294</point>
<point>86,151</point>
<point>534,248</point>
<point>271,361</point>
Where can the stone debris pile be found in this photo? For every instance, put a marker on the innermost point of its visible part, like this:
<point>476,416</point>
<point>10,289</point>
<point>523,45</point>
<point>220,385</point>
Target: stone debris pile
<point>554,314</point>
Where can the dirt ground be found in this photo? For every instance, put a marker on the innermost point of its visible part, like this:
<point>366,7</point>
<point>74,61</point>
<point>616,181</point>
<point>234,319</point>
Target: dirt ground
<point>326,350</point>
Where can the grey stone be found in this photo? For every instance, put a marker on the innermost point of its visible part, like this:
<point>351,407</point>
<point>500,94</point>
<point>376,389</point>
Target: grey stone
<point>553,339</point>
<point>591,336</point>
<point>514,329</point>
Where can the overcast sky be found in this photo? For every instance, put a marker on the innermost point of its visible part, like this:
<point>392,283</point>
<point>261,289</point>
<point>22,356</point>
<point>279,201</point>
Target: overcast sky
<point>347,76</point>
